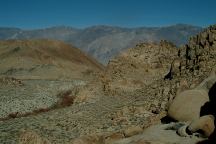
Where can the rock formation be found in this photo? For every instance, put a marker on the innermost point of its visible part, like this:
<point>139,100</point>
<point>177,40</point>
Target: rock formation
<point>187,79</point>
<point>187,105</point>
<point>197,58</point>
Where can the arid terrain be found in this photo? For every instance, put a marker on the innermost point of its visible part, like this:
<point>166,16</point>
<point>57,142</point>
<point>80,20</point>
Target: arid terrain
<point>44,59</point>
<point>52,93</point>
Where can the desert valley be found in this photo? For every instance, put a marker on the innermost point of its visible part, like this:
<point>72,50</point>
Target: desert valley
<point>155,88</point>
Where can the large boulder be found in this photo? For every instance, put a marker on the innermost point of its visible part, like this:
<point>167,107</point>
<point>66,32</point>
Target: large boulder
<point>186,106</point>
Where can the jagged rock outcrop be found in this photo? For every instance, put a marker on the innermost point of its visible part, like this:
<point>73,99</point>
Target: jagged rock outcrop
<point>199,55</point>
<point>198,60</point>
<point>188,66</point>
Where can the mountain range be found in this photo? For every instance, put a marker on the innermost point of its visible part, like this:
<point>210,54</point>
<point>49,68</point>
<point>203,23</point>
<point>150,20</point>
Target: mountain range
<point>104,42</point>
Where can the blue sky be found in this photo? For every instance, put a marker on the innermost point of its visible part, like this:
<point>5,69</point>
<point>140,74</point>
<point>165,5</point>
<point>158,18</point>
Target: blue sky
<point>30,14</point>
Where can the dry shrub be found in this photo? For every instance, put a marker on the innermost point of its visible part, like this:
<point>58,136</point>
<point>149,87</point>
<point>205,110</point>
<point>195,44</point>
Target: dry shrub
<point>138,82</point>
<point>65,99</point>
<point>40,110</point>
<point>31,137</point>
<point>13,115</point>
<point>88,72</point>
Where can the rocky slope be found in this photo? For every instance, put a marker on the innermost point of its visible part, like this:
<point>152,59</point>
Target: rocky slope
<point>198,56</point>
<point>142,65</point>
<point>44,59</point>
<point>188,67</point>
<point>38,75</point>
<point>149,63</point>
<point>104,42</point>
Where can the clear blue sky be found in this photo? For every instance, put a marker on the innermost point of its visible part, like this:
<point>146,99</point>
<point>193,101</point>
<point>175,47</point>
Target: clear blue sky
<point>128,13</point>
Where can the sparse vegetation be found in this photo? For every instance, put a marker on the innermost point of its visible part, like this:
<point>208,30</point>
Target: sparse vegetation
<point>13,115</point>
<point>16,49</point>
<point>65,99</point>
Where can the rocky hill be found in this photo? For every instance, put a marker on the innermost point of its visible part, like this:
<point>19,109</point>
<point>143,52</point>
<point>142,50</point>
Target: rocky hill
<point>198,55</point>
<point>105,42</point>
<point>188,67</point>
<point>44,59</point>
<point>142,65</point>
<point>38,75</point>
<point>159,69</point>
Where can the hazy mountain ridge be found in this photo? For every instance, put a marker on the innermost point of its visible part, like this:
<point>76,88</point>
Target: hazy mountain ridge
<point>104,42</point>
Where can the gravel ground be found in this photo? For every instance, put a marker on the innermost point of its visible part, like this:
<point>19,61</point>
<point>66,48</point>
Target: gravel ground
<point>32,95</point>
<point>106,114</point>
